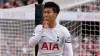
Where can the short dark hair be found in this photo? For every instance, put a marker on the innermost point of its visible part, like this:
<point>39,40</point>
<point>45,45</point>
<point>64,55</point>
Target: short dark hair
<point>52,5</point>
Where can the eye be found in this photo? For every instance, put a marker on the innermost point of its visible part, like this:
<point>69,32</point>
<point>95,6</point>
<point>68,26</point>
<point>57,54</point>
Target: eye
<point>48,12</point>
<point>44,12</point>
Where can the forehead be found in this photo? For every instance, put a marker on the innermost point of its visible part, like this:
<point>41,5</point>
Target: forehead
<point>48,9</point>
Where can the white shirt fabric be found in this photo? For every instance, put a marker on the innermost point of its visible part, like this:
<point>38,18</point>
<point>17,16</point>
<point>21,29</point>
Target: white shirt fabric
<point>52,41</point>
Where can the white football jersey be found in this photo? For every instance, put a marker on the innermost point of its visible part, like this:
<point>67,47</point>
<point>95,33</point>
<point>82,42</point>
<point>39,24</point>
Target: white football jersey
<point>51,41</point>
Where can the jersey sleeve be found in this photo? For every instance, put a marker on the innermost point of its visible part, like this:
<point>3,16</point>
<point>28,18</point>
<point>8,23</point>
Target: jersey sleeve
<point>68,51</point>
<point>67,38</point>
<point>36,36</point>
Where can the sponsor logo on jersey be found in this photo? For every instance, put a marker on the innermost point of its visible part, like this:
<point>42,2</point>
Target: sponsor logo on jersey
<point>50,46</point>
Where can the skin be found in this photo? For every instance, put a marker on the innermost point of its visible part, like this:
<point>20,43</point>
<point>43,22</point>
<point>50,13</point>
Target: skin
<point>49,18</point>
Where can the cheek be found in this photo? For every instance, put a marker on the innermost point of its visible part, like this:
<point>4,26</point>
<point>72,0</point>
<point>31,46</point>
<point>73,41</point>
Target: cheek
<point>51,16</point>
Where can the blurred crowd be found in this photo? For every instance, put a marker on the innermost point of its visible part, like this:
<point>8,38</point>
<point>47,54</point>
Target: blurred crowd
<point>87,46</point>
<point>89,7</point>
<point>14,3</point>
<point>15,47</point>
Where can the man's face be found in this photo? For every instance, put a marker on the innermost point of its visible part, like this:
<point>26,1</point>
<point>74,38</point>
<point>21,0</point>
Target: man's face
<point>49,15</point>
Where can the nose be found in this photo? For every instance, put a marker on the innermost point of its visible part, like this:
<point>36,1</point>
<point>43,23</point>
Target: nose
<point>45,16</point>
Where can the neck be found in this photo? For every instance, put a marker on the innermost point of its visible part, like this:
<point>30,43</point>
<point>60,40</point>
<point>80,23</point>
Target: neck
<point>52,25</point>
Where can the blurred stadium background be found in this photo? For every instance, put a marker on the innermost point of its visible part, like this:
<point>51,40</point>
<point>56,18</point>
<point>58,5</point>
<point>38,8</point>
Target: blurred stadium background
<point>16,31</point>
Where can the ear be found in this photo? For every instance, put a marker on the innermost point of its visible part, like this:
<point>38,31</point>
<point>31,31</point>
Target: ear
<point>56,14</point>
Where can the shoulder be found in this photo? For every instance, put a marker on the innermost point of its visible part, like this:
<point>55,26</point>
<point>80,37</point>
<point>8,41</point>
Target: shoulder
<point>38,28</point>
<point>63,28</point>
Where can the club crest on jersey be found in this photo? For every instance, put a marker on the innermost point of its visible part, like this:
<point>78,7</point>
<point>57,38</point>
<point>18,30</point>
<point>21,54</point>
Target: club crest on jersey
<point>50,46</point>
